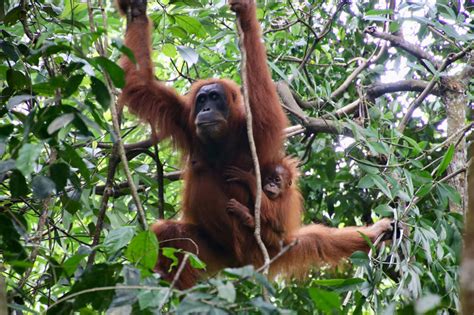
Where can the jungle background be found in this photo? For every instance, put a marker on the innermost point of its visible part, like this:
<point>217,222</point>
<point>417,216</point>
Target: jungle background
<point>380,99</point>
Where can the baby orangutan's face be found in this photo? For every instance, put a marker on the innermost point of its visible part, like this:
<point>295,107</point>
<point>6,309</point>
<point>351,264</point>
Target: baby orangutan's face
<point>275,183</point>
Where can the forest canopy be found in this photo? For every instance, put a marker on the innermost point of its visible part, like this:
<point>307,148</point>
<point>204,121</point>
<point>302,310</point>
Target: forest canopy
<point>380,99</point>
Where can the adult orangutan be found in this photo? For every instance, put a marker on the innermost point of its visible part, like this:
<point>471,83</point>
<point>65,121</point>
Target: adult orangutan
<point>208,126</point>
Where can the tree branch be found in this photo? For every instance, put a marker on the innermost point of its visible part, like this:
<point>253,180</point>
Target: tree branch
<point>380,89</point>
<point>107,192</point>
<point>398,41</point>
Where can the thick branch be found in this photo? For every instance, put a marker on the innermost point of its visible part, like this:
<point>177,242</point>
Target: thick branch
<point>398,41</point>
<point>311,124</point>
<point>467,266</point>
<point>380,89</point>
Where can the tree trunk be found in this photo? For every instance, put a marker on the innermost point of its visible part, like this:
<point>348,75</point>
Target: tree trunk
<point>455,100</point>
<point>467,267</point>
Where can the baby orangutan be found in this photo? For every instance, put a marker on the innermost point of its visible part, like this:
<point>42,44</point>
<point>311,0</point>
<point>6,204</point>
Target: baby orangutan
<point>280,208</point>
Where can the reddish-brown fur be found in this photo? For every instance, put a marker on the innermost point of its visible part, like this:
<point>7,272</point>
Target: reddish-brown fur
<point>206,191</point>
<point>280,217</point>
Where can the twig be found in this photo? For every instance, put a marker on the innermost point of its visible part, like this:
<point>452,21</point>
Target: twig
<point>175,279</point>
<point>345,85</point>
<point>461,132</point>
<point>372,59</point>
<point>98,44</point>
<point>324,32</point>
<point>253,150</point>
<point>35,251</point>
<point>24,22</point>
<point>281,28</point>
<point>107,288</point>
<point>282,251</point>
<point>123,157</point>
<point>453,174</point>
<point>160,182</point>
<point>318,37</point>
<point>118,189</point>
<point>415,200</point>
<point>104,22</point>
<point>108,190</point>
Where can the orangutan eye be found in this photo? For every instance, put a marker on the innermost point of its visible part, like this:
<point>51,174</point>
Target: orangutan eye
<point>201,99</point>
<point>214,96</point>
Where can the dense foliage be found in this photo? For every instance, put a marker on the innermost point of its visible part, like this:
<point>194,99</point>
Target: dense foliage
<point>56,153</point>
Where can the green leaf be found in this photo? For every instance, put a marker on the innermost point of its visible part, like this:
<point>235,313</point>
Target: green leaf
<point>27,157</point>
<point>226,291</point>
<point>169,50</point>
<point>12,16</point>
<point>243,272</point>
<point>7,165</point>
<point>196,262</point>
<point>60,122</point>
<point>384,210</point>
<point>448,156</point>
<point>190,25</point>
<point>188,54</point>
<point>170,252</point>
<point>59,173</point>
<point>118,239</point>
<point>416,148</point>
<point>143,250</point>
<point>101,92</point>
<point>331,169</point>
<point>379,12</point>
<point>191,306</point>
<point>42,186</point>
<point>366,182</point>
<point>341,285</point>
<point>338,282</point>
<point>74,159</point>
<point>427,303</point>
<point>71,264</point>
<point>325,301</point>
<point>100,275</point>
<point>117,75</point>
<point>150,299</point>
<point>449,193</point>
<point>17,80</point>
<point>382,185</point>
<point>118,43</point>
<point>18,186</point>
<point>16,100</point>
<point>72,85</point>
<point>10,50</point>
<point>360,258</point>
